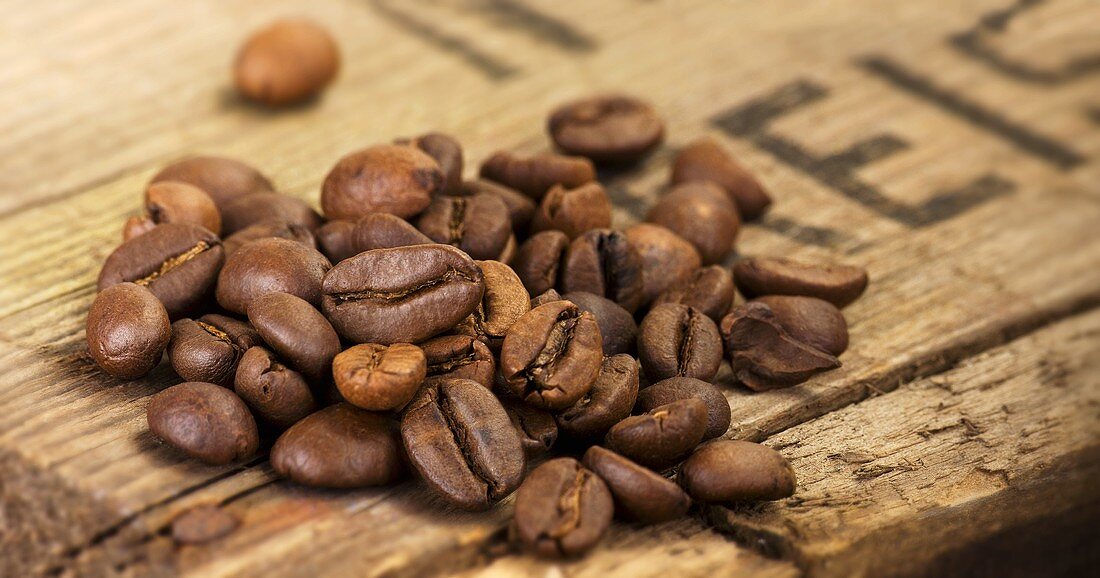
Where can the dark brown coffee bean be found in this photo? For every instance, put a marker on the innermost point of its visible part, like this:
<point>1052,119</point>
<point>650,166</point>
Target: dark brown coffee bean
<point>539,260</point>
<point>837,284</point>
<point>573,211</point>
<point>287,62</point>
<point>336,240</point>
<point>203,524</point>
<point>221,178</point>
<point>271,266</point>
<point>479,224</point>
<point>552,355</point>
<point>462,442</point>
<point>297,332</point>
<point>662,436</point>
<point>277,394</point>
<point>340,446</point>
<point>447,152</point>
<point>521,209</point>
<point>678,341</point>
<point>617,326</point>
<point>394,179</point>
<point>380,377</point>
<point>385,231</point>
<point>603,262</point>
<point>812,321</point>
<point>205,421</point>
<point>706,160</point>
<point>459,357</point>
<point>703,215</point>
<point>267,230</point>
<point>667,259</point>
<point>676,388</point>
<point>546,297</point>
<point>401,295</point>
<point>179,263</point>
<point>709,289</point>
<point>640,493</point>
<point>535,175</point>
<point>726,471</point>
<point>136,226</point>
<point>209,348</point>
<point>243,212</point>
<point>176,202</point>
<point>611,129</point>
<point>504,302</point>
<point>763,355</point>
<point>537,429</point>
<point>609,400</point>
<point>562,510</point>
<point>127,331</point>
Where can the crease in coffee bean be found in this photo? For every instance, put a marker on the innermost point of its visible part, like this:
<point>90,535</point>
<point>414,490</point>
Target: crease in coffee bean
<point>461,436</point>
<point>451,364</point>
<point>556,343</point>
<point>687,345</point>
<point>368,295</point>
<point>456,228</point>
<point>569,510</point>
<point>169,264</point>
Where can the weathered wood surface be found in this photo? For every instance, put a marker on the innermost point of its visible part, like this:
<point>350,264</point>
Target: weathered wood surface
<point>858,118</point>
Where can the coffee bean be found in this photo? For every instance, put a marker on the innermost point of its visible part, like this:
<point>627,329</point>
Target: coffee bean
<point>340,446</point>
<point>203,524</point>
<point>678,341</point>
<point>546,297</point>
<point>447,152</point>
<point>336,240</point>
<point>277,394</point>
<point>640,493</point>
<point>706,160</point>
<point>221,178</point>
<point>521,209</point>
<point>535,175</point>
<point>176,202</point>
<point>603,262</point>
<point>462,442</point>
<point>662,436</point>
<point>837,284</point>
<point>562,510</point>
<point>726,471</point>
<point>394,179</point>
<point>205,421</point>
<point>508,254</point>
<point>479,224</point>
<point>209,348</point>
<point>127,330</point>
<point>763,355</point>
<point>277,228</point>
<point>708,289</point>
<point>703,215</point>
<point>253,208</point>
<point>385,231</point>
<point>287,62</point>
<point>297,332</point>
<point>667,259</point>
<point>380,377</point>
<point>676,388</point>
<point>539,260</point>
<point>537,429</point>
<point>611,129</point>
<point>552,355</point>
<point>617,326</point>
<point>573,210</point>
<point>179,263</point>
<point>271,266</point>
<point>401,295</point>
<point>812,321</point>
<point>504,302</point>
<point>609,400</point>
<point>459,357</point>
<point>136,226</point>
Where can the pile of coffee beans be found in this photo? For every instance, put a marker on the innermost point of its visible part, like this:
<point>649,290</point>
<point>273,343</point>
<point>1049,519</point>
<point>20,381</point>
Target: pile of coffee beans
<point>460,331</point>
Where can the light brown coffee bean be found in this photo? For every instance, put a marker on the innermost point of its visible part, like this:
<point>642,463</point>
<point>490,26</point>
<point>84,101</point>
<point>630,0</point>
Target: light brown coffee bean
<point>667,259</point>
<point>380,377</point>
<point>728,471</point>
<point>287,62</point>
<point>573,211</point>
<point>706,160</point>
<point>394,179</point>
<point>703,215</point>
<point>176,202</point>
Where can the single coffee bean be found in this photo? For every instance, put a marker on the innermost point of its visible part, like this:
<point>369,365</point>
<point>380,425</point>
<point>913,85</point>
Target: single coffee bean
<point>447,152</point>
<point>573,211</point>
<point>552,355</point>
<point>176,202</point>
<point>336,240</point>
<point>277,394</point>
<point>812,321</point>
<point>662,436</point>
<point>678,341</point>
<point>385,231</point>
<point>203,524</point>
<point>537,429</point>
<point>459,357</point>
<point>253,208</point>
<point>394,179</point>
<point>562,510</point>
<point>209,348</point>
<point>401,295</point>
<point>127,330</point>
<point>521,209</point>
<point>608,402</point>
<point>504,302</point>
<point>380,377</point>
<point>765,356</point>
<point>837,284</point>
<point>535,175</point>
<point>136,226</point>
<point>709,289</point>
<point>726,471</point>
<point>204,421</point>
<point>276,228</point>
<point>179,263</point>
<point>703,215</point>
<point>287,62</point>
<point>603,262</point>
<point>539,260</point>
<point>462,442</point>
<point>297,332</point>
<point>546,297</point>
<point>667,259</point>
<point>706,160</point>
<point>617,326</point>
<point>340,446</point>
<point>640,493</point>
<point>611,129</point>
<point>221,178</point>
<point>271,266</point>
<point>676,388</point>
<point>479,224</point>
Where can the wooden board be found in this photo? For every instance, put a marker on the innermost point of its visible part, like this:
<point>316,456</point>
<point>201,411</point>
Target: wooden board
<point>953,151</point>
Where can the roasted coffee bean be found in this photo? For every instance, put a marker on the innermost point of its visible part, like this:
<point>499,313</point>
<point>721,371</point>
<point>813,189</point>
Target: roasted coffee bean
<point>505,301</point>
<point>812,321</point>
<point>266,230</point>
<point>271,266</point>
<point>287,62</point>
<point>676,388</point>
<point>765,356</point>
<point>573,211</point>
<point>538,261</point>
<point>617,326</point>
<point>706,160</point>
<point>297,332</point>
<point>521,209</point>
<point>176,202</point>
<point>136,226</point>
<point>552,355</point>
<point>562,510</point>
<point>662,436</point>
<point>667,259</point>
<point>609,401</point>
<point>340,446</point>
<point>725,471</point>
<point>203,524</point>
<point>640,493</point>
<point>611,129</point>
<point>546,297</point>
<point>127,331</point>
<point>179,263</point>
<point>678,341</point>
<point>209,348</point>
<point>447,152</point>
<point>459,357</point>
<point>837,284</point>
<point>537,429</point>
<point>508,254</point>
<point>277,394</point>
<point>205,421</point>
<point>703,215</point>
<point>603,262</point>
<point>479,224</point>
<point>401,295</point>
<point>253,208</point>
<point>385,231</point>
<point>394,179</point>
<point>535,175</point>
<point>380,377</point>
<point>462,442</point>
<point>709,289</point>
<point>221,178</point>
<point>336,240</point>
